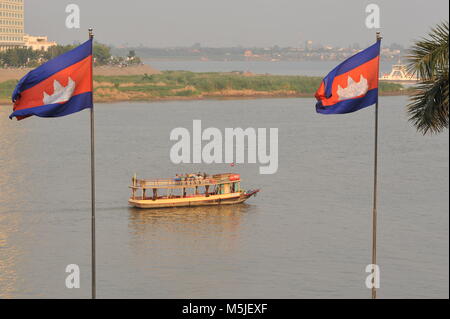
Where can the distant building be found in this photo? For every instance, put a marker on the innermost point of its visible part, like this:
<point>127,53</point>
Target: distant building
<point>12,28</point>
<point>11,24</point>
<point>248,53</point>
<point>37,43</point>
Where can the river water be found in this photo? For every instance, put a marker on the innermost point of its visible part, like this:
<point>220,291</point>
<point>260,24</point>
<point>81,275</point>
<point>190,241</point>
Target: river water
<point>308,68</point>
<point>306,235</point>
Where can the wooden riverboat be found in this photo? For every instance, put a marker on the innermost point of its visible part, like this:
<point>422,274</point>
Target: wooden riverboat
<point>189,191</point>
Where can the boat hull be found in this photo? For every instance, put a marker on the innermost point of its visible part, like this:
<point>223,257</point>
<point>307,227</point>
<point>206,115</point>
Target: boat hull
<point>212,200</point>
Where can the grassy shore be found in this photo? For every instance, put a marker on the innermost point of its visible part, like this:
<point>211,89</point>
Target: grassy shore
<point>184,85</point>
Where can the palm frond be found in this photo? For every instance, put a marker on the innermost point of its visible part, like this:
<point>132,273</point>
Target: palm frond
<point>430,54</point>
<point>429,106</point>
<point>428,59</point>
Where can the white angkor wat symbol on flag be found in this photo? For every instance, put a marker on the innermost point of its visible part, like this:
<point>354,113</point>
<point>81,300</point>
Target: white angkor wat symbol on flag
<point>353,88</point>
<point>61,93</point>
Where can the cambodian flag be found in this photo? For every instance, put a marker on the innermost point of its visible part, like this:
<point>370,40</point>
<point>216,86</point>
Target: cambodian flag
<point>352,85</point>
<point>59,87</point>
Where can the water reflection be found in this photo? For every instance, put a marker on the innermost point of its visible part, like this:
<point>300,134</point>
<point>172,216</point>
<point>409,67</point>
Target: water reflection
<point>217,226</point>
<point>12,174</point>
<point>9,259</point>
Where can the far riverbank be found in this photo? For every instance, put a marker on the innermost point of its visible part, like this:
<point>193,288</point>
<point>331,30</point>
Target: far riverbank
<point>111,86</point>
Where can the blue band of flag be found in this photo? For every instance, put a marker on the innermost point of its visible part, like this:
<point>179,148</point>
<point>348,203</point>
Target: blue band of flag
<point>351,105</point>
<point>75,104</point>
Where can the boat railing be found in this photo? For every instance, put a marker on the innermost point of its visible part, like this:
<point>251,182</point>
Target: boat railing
<point>183,181</point>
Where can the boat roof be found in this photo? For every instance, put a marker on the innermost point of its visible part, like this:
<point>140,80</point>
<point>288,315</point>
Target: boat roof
<point>210,180</point>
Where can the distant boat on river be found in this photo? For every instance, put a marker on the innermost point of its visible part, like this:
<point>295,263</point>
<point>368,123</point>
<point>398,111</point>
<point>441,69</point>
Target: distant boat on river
<point>188,191</point>
<point>399,74</point>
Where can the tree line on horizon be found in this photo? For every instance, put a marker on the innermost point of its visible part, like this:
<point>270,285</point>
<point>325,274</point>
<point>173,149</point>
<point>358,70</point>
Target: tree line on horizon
<point>29,58</point>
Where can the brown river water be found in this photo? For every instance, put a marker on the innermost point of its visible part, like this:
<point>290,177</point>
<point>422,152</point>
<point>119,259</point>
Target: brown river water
<point>306,235</point>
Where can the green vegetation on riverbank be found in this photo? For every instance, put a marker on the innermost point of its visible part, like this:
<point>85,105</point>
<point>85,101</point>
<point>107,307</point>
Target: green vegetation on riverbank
<point>173,85</point>
<point>6,90</point>
<point>192,85</point>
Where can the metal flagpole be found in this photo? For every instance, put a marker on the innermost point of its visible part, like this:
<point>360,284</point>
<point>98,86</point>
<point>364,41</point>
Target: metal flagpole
<point>91,36</point>
<point>374,211</point>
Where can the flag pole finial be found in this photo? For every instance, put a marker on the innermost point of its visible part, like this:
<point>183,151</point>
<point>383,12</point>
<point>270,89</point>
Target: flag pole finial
<point>379,37</point>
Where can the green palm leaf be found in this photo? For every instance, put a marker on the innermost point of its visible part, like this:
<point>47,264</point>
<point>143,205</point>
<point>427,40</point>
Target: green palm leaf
<point>428,59</point>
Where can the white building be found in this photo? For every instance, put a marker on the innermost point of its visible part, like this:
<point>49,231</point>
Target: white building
<point>11,24</point>
<point>12,28</point>
<point>37,43</point>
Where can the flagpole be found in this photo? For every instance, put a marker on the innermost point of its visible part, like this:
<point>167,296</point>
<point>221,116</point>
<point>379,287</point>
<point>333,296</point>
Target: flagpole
<point>375,184</point>
<point>93,264</point>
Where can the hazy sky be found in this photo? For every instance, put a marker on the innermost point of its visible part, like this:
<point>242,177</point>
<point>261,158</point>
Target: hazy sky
<point>160,23</point>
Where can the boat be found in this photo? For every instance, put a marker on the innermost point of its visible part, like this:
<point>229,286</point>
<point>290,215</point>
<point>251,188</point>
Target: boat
<point>189,190</point>
<point>399,74</point>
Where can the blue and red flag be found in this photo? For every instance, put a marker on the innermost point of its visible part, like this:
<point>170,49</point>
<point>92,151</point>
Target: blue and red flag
<point>352,85</point>
<point>59,87</point>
